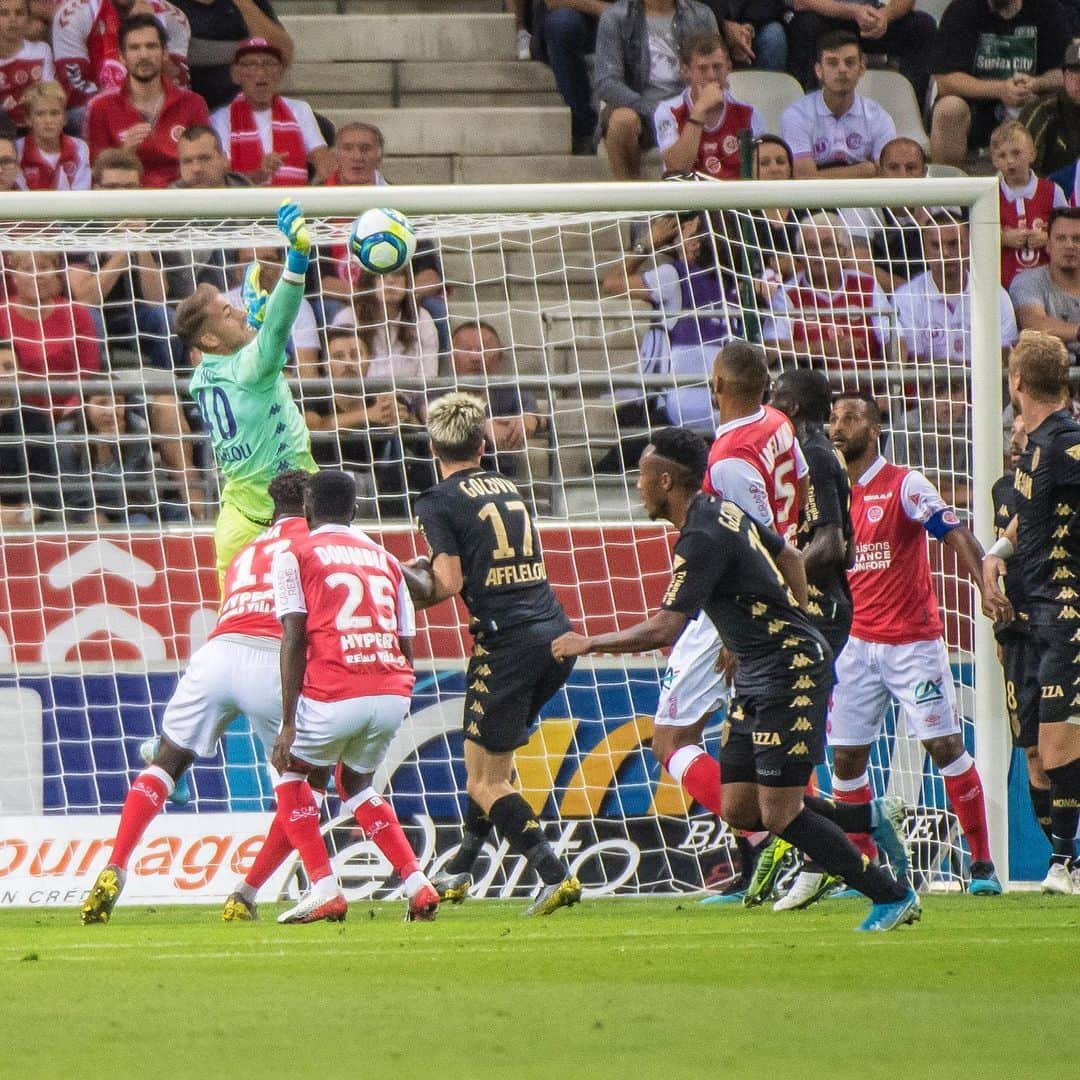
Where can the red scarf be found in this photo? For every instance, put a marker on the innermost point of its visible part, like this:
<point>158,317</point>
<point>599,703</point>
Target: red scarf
<point>39,174</point>
<point>245,146</point>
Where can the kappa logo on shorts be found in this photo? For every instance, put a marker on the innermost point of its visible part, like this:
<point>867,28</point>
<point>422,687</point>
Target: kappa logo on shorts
<point>803,701</point>
<point>804,682</point>
<point>483,671</point>
<point>478,686</point>
<point>802,724</point>
<point>476,707</point>
<point>927,690</point>
<point>800,749</point>
<point>472,728</point>
<point>800,660</point>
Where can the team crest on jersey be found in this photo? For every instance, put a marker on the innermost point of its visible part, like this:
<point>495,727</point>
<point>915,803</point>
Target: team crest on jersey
<point>730,144</point>
<point>874,513</point>
<point>927,690</point>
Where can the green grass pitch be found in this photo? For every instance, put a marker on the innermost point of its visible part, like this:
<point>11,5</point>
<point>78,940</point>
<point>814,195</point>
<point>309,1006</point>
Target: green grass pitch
<point>634,989</point>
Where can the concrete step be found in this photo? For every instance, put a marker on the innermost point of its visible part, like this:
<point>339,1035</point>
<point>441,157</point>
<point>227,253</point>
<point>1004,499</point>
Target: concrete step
<point>385,7</point>
<point>441,38</point>
<point>307,78</point>
<point>533,169</point>
<point>488,131</point>
<point>484,169</point>
<point>486,100</point>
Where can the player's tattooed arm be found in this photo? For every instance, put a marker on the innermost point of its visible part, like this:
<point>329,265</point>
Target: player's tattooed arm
<point>430,582</point>
<point>789,562</point>
<point>293,664</point>
<point>656,632</point>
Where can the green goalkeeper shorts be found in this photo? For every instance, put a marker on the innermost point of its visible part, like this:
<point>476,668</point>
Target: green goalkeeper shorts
<point>232,532</point>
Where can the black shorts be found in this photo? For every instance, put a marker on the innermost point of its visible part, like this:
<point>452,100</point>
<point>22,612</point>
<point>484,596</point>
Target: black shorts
<point>510,675</point>
<point>1019,660</point>
<point>1057,650</point>
<point>775,741</point>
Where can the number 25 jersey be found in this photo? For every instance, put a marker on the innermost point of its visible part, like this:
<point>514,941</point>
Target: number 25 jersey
<point>358,609</point>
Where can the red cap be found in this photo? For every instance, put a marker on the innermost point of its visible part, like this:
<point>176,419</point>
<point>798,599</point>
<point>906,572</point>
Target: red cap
<point>257,45</point>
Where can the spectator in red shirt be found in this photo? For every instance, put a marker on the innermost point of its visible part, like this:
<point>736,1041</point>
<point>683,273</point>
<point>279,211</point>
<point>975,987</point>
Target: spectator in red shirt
<point>52,336</point>
<point>49,159</point>
<point>22,62</point>
<point>86,41</point>
<point>358,154</point>
<point>148,113</point>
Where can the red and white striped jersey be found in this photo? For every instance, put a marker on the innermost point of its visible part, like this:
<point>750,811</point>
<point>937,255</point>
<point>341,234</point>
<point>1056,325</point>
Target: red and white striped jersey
<point>718,151</point>
<point>358,609</point>
<point>247,605</point>
<point>891,588</point>
<point>756,462</point>
<point>1028,208</point>
<point>845,328</point>
<point>32,62</point>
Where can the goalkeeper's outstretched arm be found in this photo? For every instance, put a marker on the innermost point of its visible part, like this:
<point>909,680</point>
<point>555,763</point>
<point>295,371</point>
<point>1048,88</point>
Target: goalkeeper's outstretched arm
<point>279,310</point>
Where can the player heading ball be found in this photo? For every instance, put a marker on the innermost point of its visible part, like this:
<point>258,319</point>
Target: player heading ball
<point>485,547</point>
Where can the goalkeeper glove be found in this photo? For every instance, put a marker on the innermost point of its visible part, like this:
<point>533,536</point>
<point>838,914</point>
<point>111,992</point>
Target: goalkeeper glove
<point>254,296</point>
<point>290,220</point>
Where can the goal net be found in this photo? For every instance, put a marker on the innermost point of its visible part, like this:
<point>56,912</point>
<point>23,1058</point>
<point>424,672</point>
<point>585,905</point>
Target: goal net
<point>587,316</point>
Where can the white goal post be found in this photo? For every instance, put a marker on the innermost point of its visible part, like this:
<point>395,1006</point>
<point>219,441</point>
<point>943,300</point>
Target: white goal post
<point>40,220</point>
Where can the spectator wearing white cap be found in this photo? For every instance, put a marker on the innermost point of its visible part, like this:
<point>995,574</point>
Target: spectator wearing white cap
<point>269,138</point>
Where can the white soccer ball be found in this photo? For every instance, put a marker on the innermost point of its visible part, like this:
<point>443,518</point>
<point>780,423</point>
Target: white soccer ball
<point>382,240</point>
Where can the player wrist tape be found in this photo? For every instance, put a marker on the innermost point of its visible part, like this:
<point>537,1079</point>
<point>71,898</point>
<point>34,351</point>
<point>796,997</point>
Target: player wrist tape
<point>296,261</point>
<point>1002,548</point>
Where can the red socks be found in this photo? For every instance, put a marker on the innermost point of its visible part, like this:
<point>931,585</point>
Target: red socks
<point>965,791</point>
<point>380,824</point>
<point>299,818</point>
<point>699,775</point>
<point>275,850</point>
<point>143,803</point>
<point>856,791</point>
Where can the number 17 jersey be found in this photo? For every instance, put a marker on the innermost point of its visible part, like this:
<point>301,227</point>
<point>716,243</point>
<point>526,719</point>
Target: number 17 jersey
<point>247,605</point>
<point>480,517</point>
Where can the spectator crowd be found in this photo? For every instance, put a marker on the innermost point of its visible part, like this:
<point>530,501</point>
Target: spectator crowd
<point>129,94</point>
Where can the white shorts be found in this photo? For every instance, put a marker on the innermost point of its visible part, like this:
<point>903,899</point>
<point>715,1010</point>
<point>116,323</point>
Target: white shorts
<point>227,677</point>
<point>869,676</point>
<point>357,731</point>
<point>691,686</point>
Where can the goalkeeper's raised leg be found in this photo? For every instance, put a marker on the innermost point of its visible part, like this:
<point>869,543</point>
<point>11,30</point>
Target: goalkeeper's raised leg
<point>256,428</point>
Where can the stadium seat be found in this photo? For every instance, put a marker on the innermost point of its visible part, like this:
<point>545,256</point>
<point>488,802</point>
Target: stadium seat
<point>893,92</point>
<point>770,91</point>
<point>933,7</point>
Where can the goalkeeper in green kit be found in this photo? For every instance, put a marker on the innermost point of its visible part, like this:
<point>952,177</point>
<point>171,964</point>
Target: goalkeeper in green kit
<point>255,427</point>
